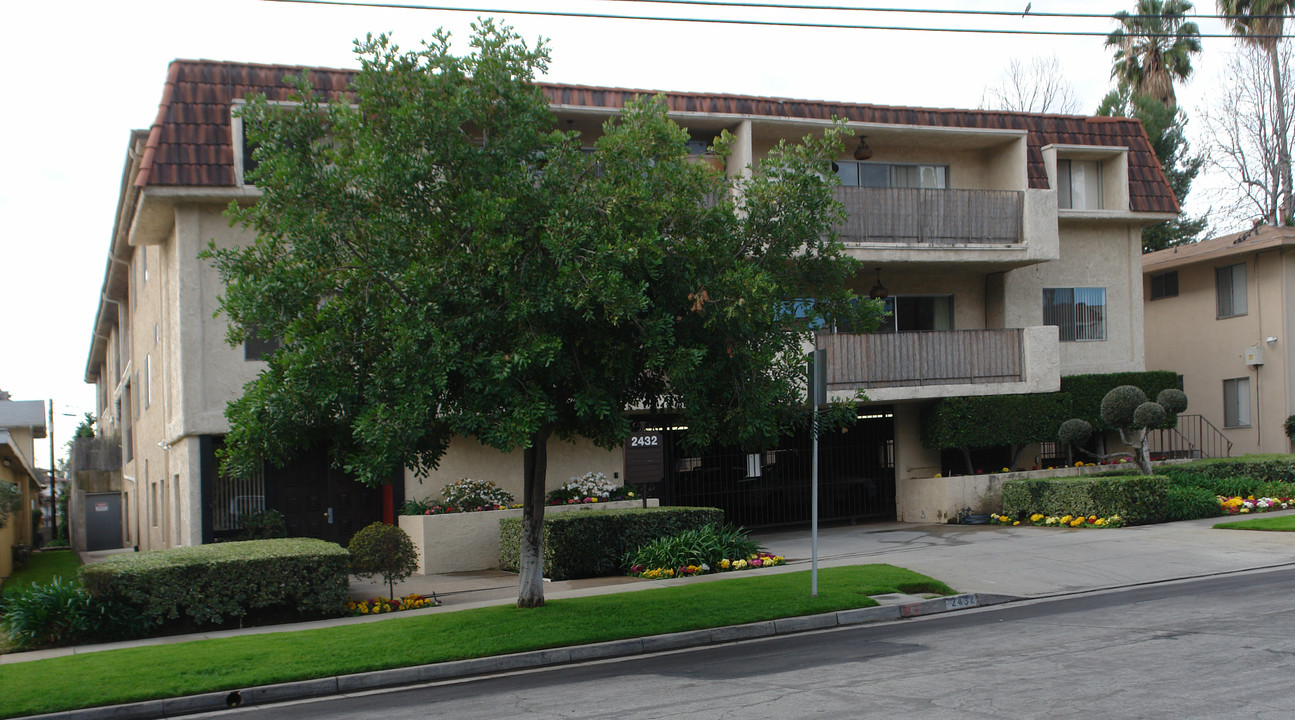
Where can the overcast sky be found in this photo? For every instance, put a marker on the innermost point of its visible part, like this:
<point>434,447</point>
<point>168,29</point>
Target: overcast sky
<point>84,73</point>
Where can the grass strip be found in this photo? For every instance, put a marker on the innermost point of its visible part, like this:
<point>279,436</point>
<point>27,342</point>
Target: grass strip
<point>1285,523</point>
<point>43,567</point>
<point>158,671</point>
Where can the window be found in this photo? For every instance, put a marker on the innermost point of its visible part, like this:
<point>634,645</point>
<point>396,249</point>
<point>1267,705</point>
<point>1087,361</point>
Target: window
<point>257,348</point>
<point>152,507</point>
<point>1079,184</point>
<point>1231,284</point>
<point>143,262</point>
<point>148,380</point>
<point>175,494</point>
<point>1078,313</point>
<point>1164,285</point>
<point>910,313</point>
<point>883,175</point>
<point>1236,402</point>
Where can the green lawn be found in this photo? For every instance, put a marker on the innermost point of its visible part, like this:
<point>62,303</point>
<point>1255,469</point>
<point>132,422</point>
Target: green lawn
<point>45,566</point>
<point>156,671</point>
<point>1286,523</point>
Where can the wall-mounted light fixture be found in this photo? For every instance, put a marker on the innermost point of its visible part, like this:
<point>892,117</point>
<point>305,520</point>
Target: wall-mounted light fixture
<point>6,462</point>
<point>1272,340</point>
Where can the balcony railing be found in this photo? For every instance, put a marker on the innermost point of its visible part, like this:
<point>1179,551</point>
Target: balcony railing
<point>931,217</point>
<point>914,359</point>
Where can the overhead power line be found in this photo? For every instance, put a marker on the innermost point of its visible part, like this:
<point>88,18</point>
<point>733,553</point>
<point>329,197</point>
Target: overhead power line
<point>934,11</point>
<point>739,21</point>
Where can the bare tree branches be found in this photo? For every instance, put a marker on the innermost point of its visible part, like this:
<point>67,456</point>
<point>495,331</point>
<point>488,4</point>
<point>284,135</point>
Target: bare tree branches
<point>1039,87</point>
<point>1241,128</point>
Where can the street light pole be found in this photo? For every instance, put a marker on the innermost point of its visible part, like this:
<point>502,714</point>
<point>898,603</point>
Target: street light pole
<point>53,474</point>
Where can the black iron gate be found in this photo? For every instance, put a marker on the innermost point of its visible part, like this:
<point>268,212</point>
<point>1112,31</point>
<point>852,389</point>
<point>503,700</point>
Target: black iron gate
<point>856,475</point>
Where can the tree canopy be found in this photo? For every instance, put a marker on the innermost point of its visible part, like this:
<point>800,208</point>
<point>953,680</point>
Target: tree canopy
<point>438,260</point>
<point>1154,46</point>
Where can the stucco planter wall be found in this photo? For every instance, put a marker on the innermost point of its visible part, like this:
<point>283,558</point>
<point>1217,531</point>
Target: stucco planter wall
<point>939,499</point>
<point>461,542</point>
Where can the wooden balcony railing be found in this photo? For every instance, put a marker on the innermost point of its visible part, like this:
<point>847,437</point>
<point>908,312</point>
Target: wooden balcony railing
<point>913,359</point>
<point>931,217</point>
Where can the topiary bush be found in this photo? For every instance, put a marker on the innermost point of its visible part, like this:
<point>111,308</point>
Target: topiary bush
<point>385,550</point>
<point>1120,403</point>
<point>593,543</point>
<point>209,584</point>
<point>1137,499</point>
<point>1075,432</point>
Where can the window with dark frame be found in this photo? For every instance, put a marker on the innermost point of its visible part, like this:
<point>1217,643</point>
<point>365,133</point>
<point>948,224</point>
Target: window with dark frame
<point>1236,402</point>
<point>1230,282</point>
<point>1078,313</point>
<point>891,175</point>
<point>1164,285</point>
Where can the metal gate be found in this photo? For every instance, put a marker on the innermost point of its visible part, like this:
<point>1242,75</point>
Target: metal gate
<point>769,488</point>
<point>102,521</point>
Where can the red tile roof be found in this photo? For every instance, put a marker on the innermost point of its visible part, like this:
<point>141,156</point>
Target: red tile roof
<point>191,141</point>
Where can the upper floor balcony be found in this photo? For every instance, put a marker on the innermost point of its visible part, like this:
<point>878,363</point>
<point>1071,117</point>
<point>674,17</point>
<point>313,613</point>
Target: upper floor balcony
<point>993,229</point>
<point>933,364</point>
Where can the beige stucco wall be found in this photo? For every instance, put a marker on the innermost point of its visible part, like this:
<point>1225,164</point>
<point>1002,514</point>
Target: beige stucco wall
<point>1184,334</point>
<point>468,458</point>
<point>1104,255</point>
<point>17,531</point>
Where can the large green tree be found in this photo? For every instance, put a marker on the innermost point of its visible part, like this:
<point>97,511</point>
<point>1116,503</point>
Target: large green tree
<point>1154,46</point>
<point>1261,22</point>
<point>439,261</point>
<point>1165,128</point>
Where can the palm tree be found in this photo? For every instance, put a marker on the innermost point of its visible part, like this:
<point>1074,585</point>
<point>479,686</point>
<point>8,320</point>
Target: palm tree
<point>1154,47</point>
<point>1261,22</point>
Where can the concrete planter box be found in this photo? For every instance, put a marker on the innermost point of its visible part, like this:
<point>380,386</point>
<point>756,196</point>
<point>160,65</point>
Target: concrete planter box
<point>940,499</point>
<point>462,542</point>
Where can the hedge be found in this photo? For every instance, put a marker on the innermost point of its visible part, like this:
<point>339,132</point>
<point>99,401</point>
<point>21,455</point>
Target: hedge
<point>593,543</point>
<point>995,420</point>
<point>1086,391</point>
<point>1136,498</point>
<point>208,584</point>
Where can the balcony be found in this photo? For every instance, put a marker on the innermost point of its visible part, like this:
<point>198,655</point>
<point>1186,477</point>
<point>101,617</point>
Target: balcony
<point>914,365</point>
<point>951,227</point>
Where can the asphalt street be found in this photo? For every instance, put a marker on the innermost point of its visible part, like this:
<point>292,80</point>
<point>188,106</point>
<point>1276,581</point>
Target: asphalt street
<point>1220,647</point>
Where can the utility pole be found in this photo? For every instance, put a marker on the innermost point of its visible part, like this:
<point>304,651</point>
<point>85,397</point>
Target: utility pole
<point>53,482</point>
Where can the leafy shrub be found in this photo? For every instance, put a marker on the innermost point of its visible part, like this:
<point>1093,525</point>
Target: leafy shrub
<point>211,583</point>
<point>1075,432</point>
<point>262,525</point>
<point>1188,503</point>
<point>385,550</point>
<point>1086,391</point>
<point>10,500</point>
<point>994,420</point>
<point>590,485</point>
<point>1136,498</point>
<point>593,543</point>
<point>706,545</point>
<point>1120,404</point>
<point>1290,427</point>
<point>468,495</point>
<point>63,612</point>
<point>1173,400</point>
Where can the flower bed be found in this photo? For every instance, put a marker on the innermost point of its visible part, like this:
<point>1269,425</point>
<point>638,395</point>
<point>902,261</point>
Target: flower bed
<point>754,562</point>
<point>1073,521</point>
<point>1237,505</point>
<point>377,606</point>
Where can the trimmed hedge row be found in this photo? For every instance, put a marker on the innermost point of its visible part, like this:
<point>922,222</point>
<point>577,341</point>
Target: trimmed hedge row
<point>1086,391</point>
<point>1248,472</point>
<point>1136,498</point>
<point>593,543</point>
<point>212,583</point>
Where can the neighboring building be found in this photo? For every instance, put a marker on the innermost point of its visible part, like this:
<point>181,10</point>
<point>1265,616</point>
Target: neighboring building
<point>1218,312</point>
<point>21,424</point>
<point>1008,245</point>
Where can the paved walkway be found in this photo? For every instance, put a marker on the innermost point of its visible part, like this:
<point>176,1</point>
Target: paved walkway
<point>1018,561</point>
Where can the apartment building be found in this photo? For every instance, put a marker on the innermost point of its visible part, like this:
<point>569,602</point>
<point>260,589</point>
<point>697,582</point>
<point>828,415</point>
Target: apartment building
<point>22,423</point>
<point>1218,312</point>
<point>1006,244</point>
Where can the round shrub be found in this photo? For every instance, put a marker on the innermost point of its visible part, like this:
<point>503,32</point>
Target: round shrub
<point>1149,415</point>
<point>1119,405</point>
<point>385,550</point>
<point>1075,432</point>
<point>1173,400</point>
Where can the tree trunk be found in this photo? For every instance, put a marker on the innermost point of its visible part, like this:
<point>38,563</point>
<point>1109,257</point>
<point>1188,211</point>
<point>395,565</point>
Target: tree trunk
<point>1283,148</point>
<point>966,456</point>
<point>1141,449</point>
<point>530,578</point>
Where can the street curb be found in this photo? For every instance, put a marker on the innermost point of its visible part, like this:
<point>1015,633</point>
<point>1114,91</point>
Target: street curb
<point>418,674</point>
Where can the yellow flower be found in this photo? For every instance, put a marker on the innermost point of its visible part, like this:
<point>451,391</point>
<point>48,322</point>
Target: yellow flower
<point>1079,464</point>
<point>1016,522</point>
<point>1092,518</point>
<point>937,475</point>
<point>1065,519</point>
<point>1100,522</point>
<point>1036,517</point>
<point>724,563</point>
<point>1006,470</point>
